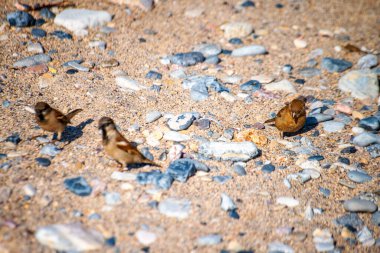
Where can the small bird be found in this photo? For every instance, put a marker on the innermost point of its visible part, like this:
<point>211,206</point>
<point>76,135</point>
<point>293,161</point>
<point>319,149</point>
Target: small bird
<point>52,120</point>
<point>291,117</point>
<point>118,147</point>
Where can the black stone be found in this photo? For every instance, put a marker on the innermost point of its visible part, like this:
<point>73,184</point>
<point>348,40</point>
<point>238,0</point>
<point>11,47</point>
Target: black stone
<point>316,158</point>
<point>40,22</point>
<point>45,162</point>
<point>235,41</point>
<point>14,138</point>
<point>344,160</point>
<point>300,81</point>
<point>348,150</point>
<point>248,3</point>
<point>268,168</point>
<point>47,13</point>
<point>61,35</point>
<point>71,71</point>
<point>20,19</point>
<point>38,33</point>
<point>233,214</point>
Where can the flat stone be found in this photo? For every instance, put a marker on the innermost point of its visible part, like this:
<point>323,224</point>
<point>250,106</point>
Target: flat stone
<point>38,33</point>
<point>72,237</point>
<point>367,61</point>
<point>300,43</point>
<point>221,179</point>
<point>268,168</point>
<point>61,35</point>
<point>153,75</point>
<point>181,122</point>
<point>177,208</point>
<point>362,84</point>
<point>50,150</point>
<point>370,123</point>
<point>35,47</point>
<point>32,60</point>
<point>20,19</point>
<point>199,92</point>
<point>237,29</point>
<point>251,85</point>
<point>376,218</point>
<point>263,79</point>
<point>234,151</point>
<point>358,176</point>
<point>359,206</point>
<point>37,69</point>
<point>250,50</point>
<point>309,72</point>
<point>44,162</point>
<point>207,240</point>
<point>365,237</point>
<point>152,116</point>
<point>123,176</point>
<point>109,63</point>
<point>335,65</point>
<point>146,237</point>
<point>277,247</point>
<point>187,59</point>
<point>374,150</point>
<point>208,49</point>
<point>316,118</point>
<point>366,139</point>
<point>323,240</point>
<point>78,186</point>
<point>181,169</point>
<point>287,201</point>
<point>127,83</point>
<point>227,204</point>
<point>333,126</point>
<point>78,67</point>
<point>176,136</point>
<point>350,219</point>
<point>283,85</point>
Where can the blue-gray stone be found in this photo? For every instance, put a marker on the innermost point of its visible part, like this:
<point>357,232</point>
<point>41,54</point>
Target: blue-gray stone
<point>47,13</point>
<point>40,22</point>
<point>251,85</point>
<point>316,118</point>
<point>239,170</point>
<point>5,166</point>
<point>367,61</point>
<point>14,138</point>
<point>234,214</point>
<point>235,41</point>
<point>68,63</point>
<point>209,240</point>
<point>146,153</point>
<point>359,205</point>
<point>3,156</point>
<point>112,198</point>
<point>78,186</point>
<point>38,33</point>
<point>20,19</point>
<point>362,84</point>
<point>326,192</point>
<point>358,176</point>
<point>207,49</point>
<point>155,87</point>
<point>214,59</point>
<point>163,181</point>
<point>181,122</point>
<point>249,51</point>
<point>287,68</point>
<point>316,158</point>
<point>374,150</point>
<point>78,67</point>
<point>94,216</point>
<point>61,35</point>
<point>111,242</point>
<point>229,133</point>
<point>344,160</point>
<point>335,65</point>
<point>350,219</point>
<point>343,118</point>
<point>187,59</point>
<point>309,72</point>
<point>153,75</point>
<point>32,60</point>
<point>348,150</point>
<point>199,92</point>
<point>370,123</point>
<point>150,177</point>
<point>333,126</point>
<point>248,3</point>
<point>181,169</point>
<point>72,71</point>
<point>50,150</point>
<point>43,161</point>
<point>376,218</point>
<point>221,179</point>
<point>311,63</point>
<point>365,139</point>
<point>268,168</point>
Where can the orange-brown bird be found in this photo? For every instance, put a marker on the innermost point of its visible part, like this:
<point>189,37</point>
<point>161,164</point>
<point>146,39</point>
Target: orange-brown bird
<point>118,147</point>
<point>291,117</point>
<point>52,120</point>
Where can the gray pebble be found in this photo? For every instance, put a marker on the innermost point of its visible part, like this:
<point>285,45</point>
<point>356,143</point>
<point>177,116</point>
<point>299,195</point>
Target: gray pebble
<point>359,205</point>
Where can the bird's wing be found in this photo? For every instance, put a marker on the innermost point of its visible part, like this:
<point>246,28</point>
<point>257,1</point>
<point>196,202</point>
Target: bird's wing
<point>126,146</point>
<point>61,117</point>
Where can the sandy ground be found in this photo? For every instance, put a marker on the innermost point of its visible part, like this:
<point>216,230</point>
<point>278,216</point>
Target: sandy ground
<point>98,95</point>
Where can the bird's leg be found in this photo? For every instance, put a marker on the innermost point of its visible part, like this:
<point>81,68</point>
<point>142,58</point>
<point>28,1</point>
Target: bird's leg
<point>281,135</point>
<point>59,136</point>
<point>121,166</point>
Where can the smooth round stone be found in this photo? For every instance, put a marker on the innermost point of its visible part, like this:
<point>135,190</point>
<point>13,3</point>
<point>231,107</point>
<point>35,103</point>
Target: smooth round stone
<point>187,59</point>
<point>365,139</point>
<point>376,218</point>
<point>61,35</point>
<point>109,63</point>
<point>344,160</point>
<point>349,150</point>
<point>127,83</point>
<point>263,78</point>
<point>209,240</point>
<point>251,85</point>
<point>212,60</point>
<point>316,118</point>
<point>309,72</point>
<point>287,68</point>
<point>300,43</point>
<point>235,41</point>
<point>71,71</point>
<point>370,123</point>
<point>359,206</point>
<point>368,61</point>
<point>78,186</point>
<point>208,49</point>
<point>249,51</point>
<point>146,237</point>
<point>20,19</point>
<point>46,13</point>
<point>153,75</point>
<point>335,65</point>
<point>181,122</point>
<point>326,192</point>
<point>38,33</point>
<point>248,3</point>
<point>283,85</point>
<point>287,201</point>
<point>78,66</point>
<point>311,63</point>
<point>316,158</point>
<point>362,84</point>
<point>237,29</point>
<point>152,116</point>
<point>333,126</point>
<point>268,168</point>
<point>239,170</point>
<point>358,176</point>
<point>43,161</point>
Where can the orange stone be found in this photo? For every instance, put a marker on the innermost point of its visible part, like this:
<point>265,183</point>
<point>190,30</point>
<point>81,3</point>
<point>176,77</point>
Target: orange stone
<point>37,69</point>
<point>252,135</point>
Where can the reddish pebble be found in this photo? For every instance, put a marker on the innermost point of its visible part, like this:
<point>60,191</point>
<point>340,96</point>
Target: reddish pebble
<point>37,69</point>
<point>258,126</point>
<point>343,108</point>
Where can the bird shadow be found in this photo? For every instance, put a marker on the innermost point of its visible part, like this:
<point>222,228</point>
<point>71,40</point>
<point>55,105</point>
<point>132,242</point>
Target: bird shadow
<point>307,128</point>
<point>72,133</point>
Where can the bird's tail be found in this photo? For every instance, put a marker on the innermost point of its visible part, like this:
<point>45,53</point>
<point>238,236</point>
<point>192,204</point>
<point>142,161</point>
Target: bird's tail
<point>71,114</point>
<point>270,120</point>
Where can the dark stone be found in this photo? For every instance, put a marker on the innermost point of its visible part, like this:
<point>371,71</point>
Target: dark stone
<point>335,65</point>
<point>226,52</point>
<point>14,138</point>
<point>251,85</point>
<point>142,40</point>
<point>38,33</point>
<point>235,41</point>
<point>111,242</point>
<point>221,179</point>
<point>20,19</point>
<point>348,150</point>
<point>150,177</point>
<point>326,192</point>
<point>153,75</point>
<point>279,6</point>
<point>202,123</point>
<point>45,162</point>
<point>370,123</point>
<point>233,214</point>
<point>268,168</point>
<point>155,87</point>
<point>47,13</point>
<point>300,81</point>
<point>71,71</point>
<point>316,158</point>
<point>181,169</point>
<point>61,35</point>
<point>239,170</point>
<point>146,153</point>
<point>344,160</point>
<point>40,22</point>
<point>187,59</point>
<point>248,3</point>
<point>350,219</point>
<point>78,186</point>
<point>153,204</point>
<point>3,156</point>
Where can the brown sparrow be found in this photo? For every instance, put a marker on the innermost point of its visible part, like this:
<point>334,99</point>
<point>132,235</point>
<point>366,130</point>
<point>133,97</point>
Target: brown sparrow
<point>118,147</point>
<point>52,120</point>
<point>291,117</point>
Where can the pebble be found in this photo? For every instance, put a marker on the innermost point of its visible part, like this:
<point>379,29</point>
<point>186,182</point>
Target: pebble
<point>239,170</point>
<point>32,60</point>
<point>193,13</point>
<point>287,201</point>
<point>234,151</point>
<point>300,43</point>
<point>71,237</point>
<point>112,198</point>
<point>221,179</point>
<point>29,190</point>
<point>249,51</point>
<point>279,247</point>
<point>264,79</point>
<point>344,160</point>
<point>283,85</point>
<point>5,193</point>
<point>44,162</point>
<point>268,168</point>
<point>333,126</point>
<point>326,192</point>
<point>376,218</point>
<point>178,74</point>
<point>287,68</point>
<point>227,204</point>
<point>208,49</point>
<point>153,75</point>
<point>251,85</point>
<point>212,60</point>
<point>359,205</point>
<point>14,138</point>
<point>362,84</point>
<point>231,79</point>
<point>78,67</point>
<point>187,59</point>
<point>50,150</point>
<point>38,33</point>
<point>368,61</point>
<point>146,237</point>
<point>37,69</point>
<point>71,71</point>
<point>175,136</point>
<point>181,169</point>
<point>61,35</point>
<point>202,123</point>
<point>163,181</point>
<point>20,19</point>
<point>235,41</point>
<point>365,237</point>
<point>78,186</point>
<point>149,177</point>
<point>35,47</point>
<point>237,29</point>
<point>109,63</point>
<point>123,176</point>
<point>370,123</point>
<point>366,139</point>
<point>78,20</point>
<point>358,176</point>
<point>335,65</point>
<point>208,240</point>
<point>323,240</point>
<point>199,92</point>
<point>177,208</point>
<point>350,219</point>
<point>181,122</point>
<point>311,63</point>
<point>46,13</point>
<point>316,158</point>
<point>309,72</point>
<point>127,83</point>
<point>152,116</point>
<point>98,44</point>
<point>228,96</point>
<point>374,150</point>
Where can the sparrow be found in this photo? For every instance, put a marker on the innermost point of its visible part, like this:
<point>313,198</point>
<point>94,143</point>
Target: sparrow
<point>52,120</point>
<point>116,146</point>
<point>292,117</point>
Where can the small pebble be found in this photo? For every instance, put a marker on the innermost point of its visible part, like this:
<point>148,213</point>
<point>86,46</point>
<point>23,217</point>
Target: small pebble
<point>153,75</point>
<point>359,206</point>
<point>44,162</point>
<point>78,186</point>
<point>358,176</point>
<point>268,168</point>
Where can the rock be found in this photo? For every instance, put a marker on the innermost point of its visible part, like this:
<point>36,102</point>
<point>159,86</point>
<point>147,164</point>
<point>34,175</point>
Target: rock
<point>35,47</point>
<point>29,190</point>
<point>374,150</point>
<point>300,43</point>
<point>78,20</point>
<point>199,92</point>
<point>78,67</point>
<point>50,150</point>
<point>181,122</point>
<point>112,198</point>
<point>227,204</point>
<point>234,151</point>
<point>370,123</point>
<point>69,237</point>
<point>315,53</point>
<point>152,116</point>
<point>237,29</point>
<point>150,177</point>
<point>287,201</point>
<point>358,176</point>
<point>277,247</point>
<point>163,181</point>
<point>365,237</point>
<point>207,240</point>
<point>249,51</point>
<point>359,206</point>
<point>350,219</point>
<point>221,179</point>
<point>239,170</point>
<point>178,208</point>
<point>268,168</point>
<point>127,83</point>
<point>366,139</point>
<point>283,85</point>
<point>228,96</point>
<point>178,74</point>
<point>123,176</point>
<point>61,35</point>
<point>37,69</point>
<point>309,72</point>
<point>38,33</point>
<point>193,13</point>
<point>287,68</point>
<point>362,84</point>
<point>323,240</point>
<point>46,13</point>
<point>153,75</point>
<point>316,118</point>
<point>146,237</point>
<point>368,61</point>
<point>212,60</point>
<point>32,60</point>
<point>251,85</point>
<point>208,49</point>
<point>78,186</point>
<point>335,65</point>
<point>5,193</point>
<point>44,162</point>
<point>235,41</point>
<point>202,123</point>
<point>20,19</point>
<point>98,44</point>
<point>109,63</point>
<point>187,59</point>
<point>263,79</point>
<point>175,136</point>
<point>311,63</point>
<point>376,218</point>
<point>181,169</point>
<point>333,126</point>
